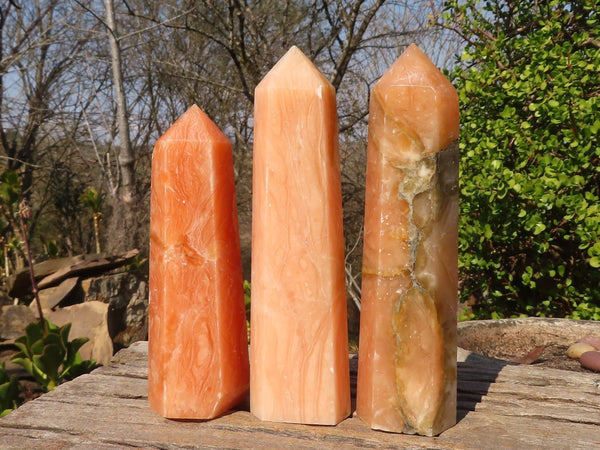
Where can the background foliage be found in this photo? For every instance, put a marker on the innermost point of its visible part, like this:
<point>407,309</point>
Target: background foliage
<point>529,86</point>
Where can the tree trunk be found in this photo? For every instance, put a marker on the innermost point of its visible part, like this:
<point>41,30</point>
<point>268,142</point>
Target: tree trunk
<point>122,225</point>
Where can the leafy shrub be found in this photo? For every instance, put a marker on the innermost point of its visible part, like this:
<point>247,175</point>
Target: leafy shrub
<point>9,392</point>
<point>529,87</point>
<point>49,357</point>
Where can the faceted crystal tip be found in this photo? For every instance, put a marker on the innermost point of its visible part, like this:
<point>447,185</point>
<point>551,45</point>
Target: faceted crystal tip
<point>423,100</point>
<point>194,125</point>
<point>294,71</point>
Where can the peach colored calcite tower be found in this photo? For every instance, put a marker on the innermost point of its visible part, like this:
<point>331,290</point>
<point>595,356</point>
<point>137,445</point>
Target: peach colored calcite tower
<point>407,348</point>
<point>299,355</point>
<point>198,343</point>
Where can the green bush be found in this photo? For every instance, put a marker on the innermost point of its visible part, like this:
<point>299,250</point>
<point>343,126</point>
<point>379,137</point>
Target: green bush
<point>48,355</point>
<point>529,86</point>
<point>9,392</point>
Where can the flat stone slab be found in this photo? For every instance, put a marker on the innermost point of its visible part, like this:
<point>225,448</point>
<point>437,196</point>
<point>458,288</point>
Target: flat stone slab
<point>51,297</point>
<point>533,340</point>
<point>90,265</point>
<point>500,405</point>
<point>88,320</point>
<point>53,271</point>
<point>13,320</point>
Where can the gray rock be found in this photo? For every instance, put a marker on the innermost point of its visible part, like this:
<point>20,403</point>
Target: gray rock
<point>127,296</point>
<point>53,271</point>
<point>65,293</point>
<point>87,320</point>
<point>90,265</point>
<point>13,320</point>
<point>19,284</point>
<point>5,299</point>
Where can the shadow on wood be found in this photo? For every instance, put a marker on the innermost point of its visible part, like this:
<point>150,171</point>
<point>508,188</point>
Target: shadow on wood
<point>476,374</point>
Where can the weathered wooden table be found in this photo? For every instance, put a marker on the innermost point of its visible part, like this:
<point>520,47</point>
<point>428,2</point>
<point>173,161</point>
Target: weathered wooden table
<point>499,406</point>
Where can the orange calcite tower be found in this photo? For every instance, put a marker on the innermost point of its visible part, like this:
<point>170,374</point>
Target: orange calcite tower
<point>407,348</point>
<point>198,344</point>
<point>299,343</point>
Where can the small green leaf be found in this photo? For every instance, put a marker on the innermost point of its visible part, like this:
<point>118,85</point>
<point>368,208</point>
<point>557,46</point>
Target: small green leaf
<point>539,227</point>
<point>25,363</point>
<point>488,231</point>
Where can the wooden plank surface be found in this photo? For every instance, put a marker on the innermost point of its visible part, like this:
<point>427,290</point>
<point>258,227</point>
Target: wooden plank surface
<point>499,406</point>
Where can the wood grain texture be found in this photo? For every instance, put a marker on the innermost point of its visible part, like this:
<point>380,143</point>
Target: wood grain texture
<point>500,405</point>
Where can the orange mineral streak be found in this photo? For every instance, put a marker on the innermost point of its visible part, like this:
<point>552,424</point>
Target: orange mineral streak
<point>198,344</point>
<point>299,354</point>
<point>407,351</point>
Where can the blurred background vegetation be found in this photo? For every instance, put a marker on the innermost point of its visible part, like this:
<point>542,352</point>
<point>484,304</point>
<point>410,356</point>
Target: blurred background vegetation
<point>86,88</point>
